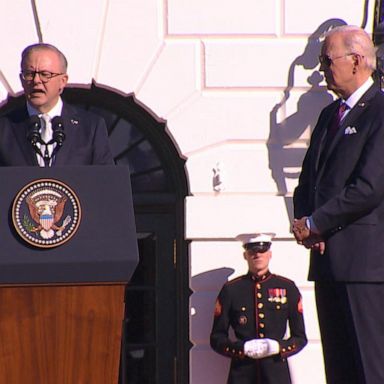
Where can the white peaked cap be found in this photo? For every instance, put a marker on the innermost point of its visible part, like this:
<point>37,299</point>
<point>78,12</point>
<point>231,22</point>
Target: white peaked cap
<point>262,237</point>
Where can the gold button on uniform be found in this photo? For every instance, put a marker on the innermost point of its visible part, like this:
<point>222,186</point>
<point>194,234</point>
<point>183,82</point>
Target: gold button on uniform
<point>260,305</point>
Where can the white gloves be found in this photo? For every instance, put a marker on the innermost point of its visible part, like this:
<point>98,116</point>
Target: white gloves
<point>259,348</point>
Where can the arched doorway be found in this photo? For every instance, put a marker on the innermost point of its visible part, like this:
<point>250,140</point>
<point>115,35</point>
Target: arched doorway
<point>156,327</point>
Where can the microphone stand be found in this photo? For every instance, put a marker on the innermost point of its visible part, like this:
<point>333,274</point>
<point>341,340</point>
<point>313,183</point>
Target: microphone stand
<point>38,151</point>
<point>47,159</point>
<point>58,135</point>
<point>34,137</point>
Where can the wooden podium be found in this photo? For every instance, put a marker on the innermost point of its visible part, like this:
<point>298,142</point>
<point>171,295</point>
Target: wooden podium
<point>62,308</point>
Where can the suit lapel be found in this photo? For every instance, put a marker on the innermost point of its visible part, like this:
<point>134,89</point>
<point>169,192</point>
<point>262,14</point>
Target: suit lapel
<point>20,122</point>
<point>71,123</point>
<point>323,134</point>
<point>352,115</point>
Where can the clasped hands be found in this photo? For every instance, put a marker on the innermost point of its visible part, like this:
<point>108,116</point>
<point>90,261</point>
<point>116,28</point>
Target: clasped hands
<point>304,236</point>
<point>260,348</point>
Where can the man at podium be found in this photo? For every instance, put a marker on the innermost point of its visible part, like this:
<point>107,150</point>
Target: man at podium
<point>47,131</point>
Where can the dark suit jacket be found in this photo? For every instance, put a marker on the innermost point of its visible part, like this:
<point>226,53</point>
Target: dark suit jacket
<point>86,141</point>
<point>346,195</point>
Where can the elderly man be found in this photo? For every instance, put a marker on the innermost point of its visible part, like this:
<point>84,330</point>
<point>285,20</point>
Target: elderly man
<point>47,131</point>
<point>339,211</point>
<point>258,307</point>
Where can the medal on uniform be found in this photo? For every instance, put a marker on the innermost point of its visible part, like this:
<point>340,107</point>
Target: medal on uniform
<point>277,295</point>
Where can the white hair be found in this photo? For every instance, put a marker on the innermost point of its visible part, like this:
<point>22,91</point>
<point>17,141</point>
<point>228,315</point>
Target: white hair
<point>357,40</point>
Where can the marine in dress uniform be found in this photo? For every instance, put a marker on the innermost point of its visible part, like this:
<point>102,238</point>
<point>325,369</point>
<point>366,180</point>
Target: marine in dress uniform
<point>258,307</point>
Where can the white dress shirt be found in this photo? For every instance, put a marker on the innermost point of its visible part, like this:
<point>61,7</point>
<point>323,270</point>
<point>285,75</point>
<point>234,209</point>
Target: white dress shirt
<point>46,129</point>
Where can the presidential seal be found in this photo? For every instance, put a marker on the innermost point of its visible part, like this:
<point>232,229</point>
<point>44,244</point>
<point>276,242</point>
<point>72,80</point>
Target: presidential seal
<point>46,213</point>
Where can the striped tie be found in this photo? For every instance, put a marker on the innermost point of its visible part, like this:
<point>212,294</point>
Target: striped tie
<point>335,124</point>
<point>332,130</point>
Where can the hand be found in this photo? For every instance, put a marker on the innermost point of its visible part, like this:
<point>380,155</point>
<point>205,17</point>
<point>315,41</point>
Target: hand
<point>307,238</point>
<point>260,348</point>
<point>315,242</point>
<point>300,229</point>
<point>320,246</point>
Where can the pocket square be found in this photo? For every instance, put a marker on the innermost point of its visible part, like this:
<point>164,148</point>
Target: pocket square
<point>350,131</point>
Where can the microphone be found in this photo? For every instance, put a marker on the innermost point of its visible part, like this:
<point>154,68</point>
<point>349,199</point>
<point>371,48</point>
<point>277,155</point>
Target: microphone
<point>33,135</point>
<point>58,134</point>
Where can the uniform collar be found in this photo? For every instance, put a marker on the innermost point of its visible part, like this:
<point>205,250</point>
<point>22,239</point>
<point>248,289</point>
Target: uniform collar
<point>259,278</point>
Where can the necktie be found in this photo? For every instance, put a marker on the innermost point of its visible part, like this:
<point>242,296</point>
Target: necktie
<point>46,128</point>
<point>332,130</point>
<point>46,136</point>
<point>335,124</point>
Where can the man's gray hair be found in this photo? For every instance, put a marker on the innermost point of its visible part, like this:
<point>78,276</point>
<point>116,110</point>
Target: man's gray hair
<point>44,46</point>
<point>357,40</point>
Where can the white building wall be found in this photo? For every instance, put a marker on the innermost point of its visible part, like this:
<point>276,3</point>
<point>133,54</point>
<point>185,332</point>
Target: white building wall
<point>229,77</point>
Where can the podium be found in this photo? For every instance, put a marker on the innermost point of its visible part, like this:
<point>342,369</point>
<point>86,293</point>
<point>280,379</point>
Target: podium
<point>62,306</point>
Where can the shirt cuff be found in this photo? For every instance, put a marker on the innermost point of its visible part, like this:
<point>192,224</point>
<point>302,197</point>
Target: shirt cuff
<point>311,225</point>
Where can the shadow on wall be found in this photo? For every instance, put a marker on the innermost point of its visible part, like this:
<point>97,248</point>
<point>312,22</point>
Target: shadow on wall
<point>309,105</point>
<point>206,365</point>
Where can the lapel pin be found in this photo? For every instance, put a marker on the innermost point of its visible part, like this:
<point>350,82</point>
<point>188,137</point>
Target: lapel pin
<point>75,122</point>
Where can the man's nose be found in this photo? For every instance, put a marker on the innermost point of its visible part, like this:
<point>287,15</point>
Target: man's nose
<point>36,78</point>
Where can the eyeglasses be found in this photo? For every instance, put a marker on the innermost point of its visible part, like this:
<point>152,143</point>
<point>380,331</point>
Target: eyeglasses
<point>327,61</point>
<point>45,76</point>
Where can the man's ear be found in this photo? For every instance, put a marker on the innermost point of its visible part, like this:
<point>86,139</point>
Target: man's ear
<point>64,82</point>
<point>356,62</point>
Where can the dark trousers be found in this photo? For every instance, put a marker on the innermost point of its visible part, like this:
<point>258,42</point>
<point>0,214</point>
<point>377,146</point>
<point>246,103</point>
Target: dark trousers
<point>351,320</point>
<point>270,370</point>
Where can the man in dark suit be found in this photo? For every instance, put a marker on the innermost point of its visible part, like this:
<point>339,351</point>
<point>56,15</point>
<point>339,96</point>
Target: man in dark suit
<point>78,138</point>
<point>258,307</point>
<point>339,211</point>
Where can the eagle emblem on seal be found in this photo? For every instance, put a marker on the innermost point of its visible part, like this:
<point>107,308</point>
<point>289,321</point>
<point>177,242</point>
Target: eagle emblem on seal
<point>46,210</point>
<point>46,213</point>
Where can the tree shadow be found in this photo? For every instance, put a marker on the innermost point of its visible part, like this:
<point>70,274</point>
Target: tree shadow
<point>284,160</point>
